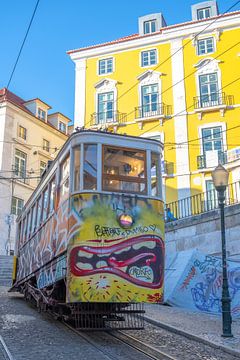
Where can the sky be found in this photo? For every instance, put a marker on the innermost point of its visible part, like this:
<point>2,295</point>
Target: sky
<point>44,69</point>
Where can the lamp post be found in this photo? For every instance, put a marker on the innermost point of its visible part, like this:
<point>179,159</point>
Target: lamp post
<point>220,179</point>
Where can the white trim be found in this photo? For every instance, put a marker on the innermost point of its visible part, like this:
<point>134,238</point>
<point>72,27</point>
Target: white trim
<point>80,92</point>
<point>149,78</point>
<point>106,86</point>
<point>205,38</point>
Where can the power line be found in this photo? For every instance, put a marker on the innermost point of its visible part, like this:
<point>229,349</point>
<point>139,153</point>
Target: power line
<point>23,42</point>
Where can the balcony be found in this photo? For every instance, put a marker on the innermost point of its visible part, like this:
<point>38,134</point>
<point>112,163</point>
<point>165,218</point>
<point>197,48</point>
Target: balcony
<point>212,102</point>
<point>211,159</point>
<point>108,118</point>
<point>152,111</point>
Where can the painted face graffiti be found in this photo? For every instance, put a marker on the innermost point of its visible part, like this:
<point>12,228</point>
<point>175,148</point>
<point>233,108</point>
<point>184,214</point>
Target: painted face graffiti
<point>138,260</point>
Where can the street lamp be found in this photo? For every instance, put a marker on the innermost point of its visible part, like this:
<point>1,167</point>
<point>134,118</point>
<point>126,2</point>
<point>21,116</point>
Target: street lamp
<point>220,179</point>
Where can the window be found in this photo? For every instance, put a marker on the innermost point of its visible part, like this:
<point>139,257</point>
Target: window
<point>105,66</point>
<point>212,139</point>
<point>52,195</point>
<point>149,57</point>
<point>205,46</point>
<point>22,132</point>
<point>20,164</point>
<point>124,170</point>
<point>90,167</point>
<point>64,179</point>
<point>150,26</point>
<point>41,114</point>
<point>17,205</point>
<point>29,223</point>
<point>34,218</point>
<point>76,169</point>
<point>149,100</point>
<point>46,145</point>
<point>62,127</point>
<point>203,13</point>
<point>45,204</point>
<point>211,197</point>
<point>105,107</point>
<point>209,95</point>
<point>42,167</point>
<point>155,174</point>
<point>39,212</point>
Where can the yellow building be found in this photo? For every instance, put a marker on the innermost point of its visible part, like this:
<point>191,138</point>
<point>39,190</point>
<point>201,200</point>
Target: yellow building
<point>179,84</point>
<point>29,138</point>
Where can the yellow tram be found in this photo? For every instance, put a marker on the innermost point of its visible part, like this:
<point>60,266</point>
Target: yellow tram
<point>90,240</point>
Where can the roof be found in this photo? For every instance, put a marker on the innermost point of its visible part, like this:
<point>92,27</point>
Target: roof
<point>59,113</point>
<point>37,99</point>
<point>137,36</point>
<point>6,95</point>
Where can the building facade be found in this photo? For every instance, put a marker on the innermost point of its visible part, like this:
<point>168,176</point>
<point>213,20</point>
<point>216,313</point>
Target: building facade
<point>179,84</point>
<point>29,138</point>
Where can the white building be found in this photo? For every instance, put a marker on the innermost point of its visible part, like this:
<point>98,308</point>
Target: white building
<point>29,138</point>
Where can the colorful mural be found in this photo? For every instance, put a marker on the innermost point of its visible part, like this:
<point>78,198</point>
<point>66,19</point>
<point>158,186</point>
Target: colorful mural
<point>196,282</point>
<point>116,251</point>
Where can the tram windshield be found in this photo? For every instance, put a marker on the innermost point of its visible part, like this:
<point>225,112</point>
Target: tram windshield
<point>124,170</point>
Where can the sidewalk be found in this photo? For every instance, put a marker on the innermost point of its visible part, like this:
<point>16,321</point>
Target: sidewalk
<point>207,328</point>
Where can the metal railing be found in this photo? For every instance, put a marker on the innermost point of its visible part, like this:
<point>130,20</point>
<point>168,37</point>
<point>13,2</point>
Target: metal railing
<point>106,117</point>
<point>213,99</point>
<point>153,109</point>
<point>201,203</point>
<point>202,163</point>
<point>21,176</point>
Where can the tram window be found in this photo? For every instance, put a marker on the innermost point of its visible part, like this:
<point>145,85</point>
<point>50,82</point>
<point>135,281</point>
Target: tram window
<point>34,218</point>
<point>22,231</point>
<point>64,179</point>
<point>90,167</point>
<point>76,168</point>
<point>29,223</point>
<point>39,211</point>
<point>52,195</point>
<point>124,170</point>
<point>45,204</point>
<point>155,174</point>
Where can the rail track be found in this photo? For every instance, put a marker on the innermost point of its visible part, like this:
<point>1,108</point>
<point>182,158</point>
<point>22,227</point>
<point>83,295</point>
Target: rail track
<point>94,338</point>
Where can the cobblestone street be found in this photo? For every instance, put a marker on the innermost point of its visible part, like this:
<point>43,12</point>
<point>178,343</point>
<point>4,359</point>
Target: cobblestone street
<point>33,336</point>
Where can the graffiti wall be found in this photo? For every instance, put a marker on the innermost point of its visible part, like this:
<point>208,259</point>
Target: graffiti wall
<point>199,283</point>
<point>116,251</point>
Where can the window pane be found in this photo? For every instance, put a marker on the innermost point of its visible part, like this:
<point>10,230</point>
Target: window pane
<point>52,195</point>
<point>34,218</point>
<point>39,211</point>
<point>122,162</point>
<point>125,186</point>
<point>64,179</point>
<point>45,204</point>
<point>155,174</point>
<point>90,167</point>
<point>76,167</point>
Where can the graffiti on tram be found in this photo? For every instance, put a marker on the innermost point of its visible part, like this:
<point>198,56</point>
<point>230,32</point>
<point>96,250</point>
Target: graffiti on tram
<point>117,252</point>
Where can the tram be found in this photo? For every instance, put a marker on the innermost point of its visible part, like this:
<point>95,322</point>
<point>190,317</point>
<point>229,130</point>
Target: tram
<point>90,240</point>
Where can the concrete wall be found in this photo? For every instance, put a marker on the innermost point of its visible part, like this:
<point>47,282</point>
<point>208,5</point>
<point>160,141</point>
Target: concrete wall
<point>203,232</point>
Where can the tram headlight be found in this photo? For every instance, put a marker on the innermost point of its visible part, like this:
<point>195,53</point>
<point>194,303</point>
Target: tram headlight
<point>125,221</point>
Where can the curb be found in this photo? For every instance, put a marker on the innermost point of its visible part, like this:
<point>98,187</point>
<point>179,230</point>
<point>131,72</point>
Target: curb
<point>175,330</point>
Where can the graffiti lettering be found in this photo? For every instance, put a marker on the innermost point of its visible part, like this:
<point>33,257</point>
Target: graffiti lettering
<point>104,231</point>
<point>144,272</point>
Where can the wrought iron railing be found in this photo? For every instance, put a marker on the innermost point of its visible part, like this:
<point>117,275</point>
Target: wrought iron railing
<point>201,203</point>
<point>153,109</point>
<point>213,99</point>
<point>202,162</point>
<point>106,117</point>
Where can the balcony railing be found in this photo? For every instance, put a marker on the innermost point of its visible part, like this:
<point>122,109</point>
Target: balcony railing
<point>102,118</point>
<point>204,162</point>
<point>213,99</point>
<point>21,176</point>
<point>201,203</point>
<point>152,110</point>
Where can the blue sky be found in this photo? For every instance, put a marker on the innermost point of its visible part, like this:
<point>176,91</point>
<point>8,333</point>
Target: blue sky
<point>44,69</point>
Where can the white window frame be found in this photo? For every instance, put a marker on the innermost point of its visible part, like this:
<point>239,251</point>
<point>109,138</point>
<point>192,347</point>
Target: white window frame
<point>150,22</point>
<point>204,12</point>
<point>205,40</point>
<point>17,205</point>
<point>105,59</point>
<point>44,147</point>
<point>17,171</point>
<point>212,125</point>
<point>41,114</point>
<point>105,86</point>
<point>60,124</point>
<point>211,67</point>
<point>19,132</point>
<point>151,78</point>
<point>148,51</point>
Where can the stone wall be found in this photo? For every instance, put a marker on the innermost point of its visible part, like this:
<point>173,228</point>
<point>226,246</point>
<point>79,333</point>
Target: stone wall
<point>203,232</point>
